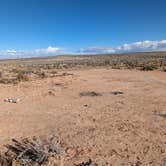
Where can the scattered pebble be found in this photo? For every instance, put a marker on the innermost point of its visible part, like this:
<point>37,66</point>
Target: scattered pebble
<point>12,100</point>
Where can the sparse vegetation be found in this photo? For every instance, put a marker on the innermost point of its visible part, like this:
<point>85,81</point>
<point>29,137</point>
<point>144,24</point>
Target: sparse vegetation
<point>164,69</point>
<point>148,68</point>
<point>8,81</point>
<point>22,77</point>
<point>1,74</point>
<point>27,69</point>
<point>39,152</point>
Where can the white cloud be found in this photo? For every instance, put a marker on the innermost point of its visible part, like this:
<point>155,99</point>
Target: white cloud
<point>49,50</point>
<point>141,46</point>
<point>31,53</point>
<point>132,47</point>
<point>97,50</point>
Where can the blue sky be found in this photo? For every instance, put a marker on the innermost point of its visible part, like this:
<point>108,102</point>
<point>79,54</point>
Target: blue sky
<point>42,27</point>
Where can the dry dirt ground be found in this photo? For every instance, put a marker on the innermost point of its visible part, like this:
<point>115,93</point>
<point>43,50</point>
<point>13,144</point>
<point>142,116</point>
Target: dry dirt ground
<point>111,129</point>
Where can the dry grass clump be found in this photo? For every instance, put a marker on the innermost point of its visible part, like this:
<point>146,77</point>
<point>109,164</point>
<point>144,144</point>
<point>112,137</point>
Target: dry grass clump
<point>115,67</point>
<point>148,68</point>
<point>163,69</point>
<point>22,77</point>
<point>1,74</point>
<point>29,152</point>
<point>8,81</point>
<point>42,74</point>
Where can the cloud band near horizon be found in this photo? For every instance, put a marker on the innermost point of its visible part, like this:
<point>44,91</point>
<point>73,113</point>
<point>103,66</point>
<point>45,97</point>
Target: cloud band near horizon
<point>31,53</point>
<point>143,46</point>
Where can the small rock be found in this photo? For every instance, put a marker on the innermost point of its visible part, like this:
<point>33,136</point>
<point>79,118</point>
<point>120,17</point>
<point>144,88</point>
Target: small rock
<point>71,151</point>
<point>12,100</point>
<point>51,93</point>
<point>86,163</point>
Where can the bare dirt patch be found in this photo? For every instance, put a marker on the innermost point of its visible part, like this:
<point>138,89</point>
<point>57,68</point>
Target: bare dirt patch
<point>109,129</point>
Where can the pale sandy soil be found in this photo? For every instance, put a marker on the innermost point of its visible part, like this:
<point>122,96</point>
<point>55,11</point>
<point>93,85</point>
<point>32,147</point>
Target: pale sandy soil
<point>111,129</point>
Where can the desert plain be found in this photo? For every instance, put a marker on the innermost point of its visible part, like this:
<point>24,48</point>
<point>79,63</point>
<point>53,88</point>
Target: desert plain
<point>108,115</point>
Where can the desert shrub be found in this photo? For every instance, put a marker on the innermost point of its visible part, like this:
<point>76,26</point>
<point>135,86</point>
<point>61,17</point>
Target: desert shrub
<point>148,68</point>
<point>1,74</point>
<point>27,71</point>
<point>53,72</point>
<point>163,69</point>
<point>130,65</point>
<point>15,70</point>
<point>115,67</point>
<point>106,62</point>
<point>8,81</point>
<point>42,74</point>
<point>22,77</point>
<point>51,66</point>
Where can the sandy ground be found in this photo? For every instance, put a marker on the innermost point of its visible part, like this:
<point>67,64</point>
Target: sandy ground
<point>124,129</point>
